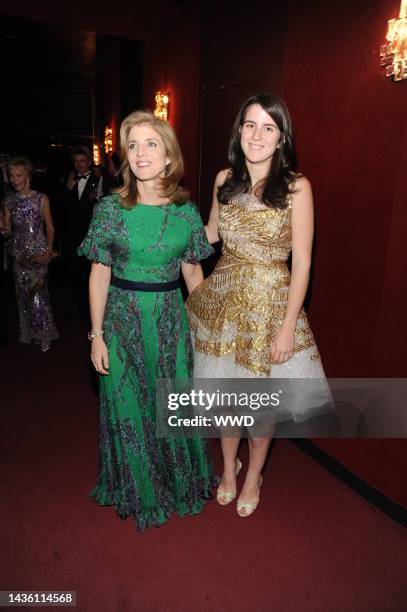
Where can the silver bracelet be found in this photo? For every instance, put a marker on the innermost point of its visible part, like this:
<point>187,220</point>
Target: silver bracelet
<point>95,333</point>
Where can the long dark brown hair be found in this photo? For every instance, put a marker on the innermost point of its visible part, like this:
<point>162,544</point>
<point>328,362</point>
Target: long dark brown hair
<point>278,183</point>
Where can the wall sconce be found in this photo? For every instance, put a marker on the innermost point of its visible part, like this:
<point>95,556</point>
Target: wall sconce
<point>393,54</point>
<point>96,154</point>
<point>161,105</point>
<point>108,139</point>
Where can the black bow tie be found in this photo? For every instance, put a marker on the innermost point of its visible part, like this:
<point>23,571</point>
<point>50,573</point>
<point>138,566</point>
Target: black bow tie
<point>82,176</point>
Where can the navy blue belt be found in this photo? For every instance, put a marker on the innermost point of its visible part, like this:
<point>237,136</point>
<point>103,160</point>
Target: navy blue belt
<point>123,283</point>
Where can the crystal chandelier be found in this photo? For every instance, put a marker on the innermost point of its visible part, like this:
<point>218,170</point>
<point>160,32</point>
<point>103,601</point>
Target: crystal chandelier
<point>393,54</point>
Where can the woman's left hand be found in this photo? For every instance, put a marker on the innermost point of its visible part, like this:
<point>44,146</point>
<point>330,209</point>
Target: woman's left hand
<point>43,258</point>
<point>282,347</point>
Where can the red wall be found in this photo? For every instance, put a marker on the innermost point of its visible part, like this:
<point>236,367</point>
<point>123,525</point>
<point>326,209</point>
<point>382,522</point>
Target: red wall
<point>351,129</point>
<point>238,57</point>
<point>109,62</point>
<point>125,20</point>
<point>350,123</point>
<point>172,65</point>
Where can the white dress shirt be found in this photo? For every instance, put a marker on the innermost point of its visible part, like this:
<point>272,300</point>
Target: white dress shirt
<point>82,184</point>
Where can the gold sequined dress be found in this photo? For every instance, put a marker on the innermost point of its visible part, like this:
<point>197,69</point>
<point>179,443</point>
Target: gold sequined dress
<point>235,313</point>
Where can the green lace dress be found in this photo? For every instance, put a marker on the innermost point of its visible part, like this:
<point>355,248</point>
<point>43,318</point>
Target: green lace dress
<point>148,337</point>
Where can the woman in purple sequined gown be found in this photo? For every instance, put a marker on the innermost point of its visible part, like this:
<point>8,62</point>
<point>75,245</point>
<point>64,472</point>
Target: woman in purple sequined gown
<point>26,213</point>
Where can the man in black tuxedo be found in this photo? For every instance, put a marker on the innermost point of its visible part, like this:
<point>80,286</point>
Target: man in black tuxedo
<point>83,188</point>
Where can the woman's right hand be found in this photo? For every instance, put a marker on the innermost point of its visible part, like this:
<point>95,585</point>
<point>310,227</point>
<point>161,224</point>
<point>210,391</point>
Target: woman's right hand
<point>99,355</point>
<point>4,230</point>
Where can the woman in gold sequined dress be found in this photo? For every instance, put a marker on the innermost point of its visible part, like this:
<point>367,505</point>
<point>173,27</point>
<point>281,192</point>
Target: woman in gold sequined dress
<point>247,318</point>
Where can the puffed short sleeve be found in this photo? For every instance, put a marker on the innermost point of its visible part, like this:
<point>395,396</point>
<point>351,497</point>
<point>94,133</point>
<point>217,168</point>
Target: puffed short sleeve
<point>198,246</point>
<point>98,243</point>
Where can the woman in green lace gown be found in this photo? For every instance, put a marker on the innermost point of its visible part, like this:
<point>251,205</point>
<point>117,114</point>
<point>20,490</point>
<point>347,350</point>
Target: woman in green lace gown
<point>138,241</point>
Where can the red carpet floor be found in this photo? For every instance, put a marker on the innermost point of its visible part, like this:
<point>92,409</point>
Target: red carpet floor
<point>313,544</point>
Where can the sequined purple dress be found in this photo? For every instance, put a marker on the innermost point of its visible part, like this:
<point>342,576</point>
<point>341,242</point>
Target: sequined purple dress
<point>28,240</point>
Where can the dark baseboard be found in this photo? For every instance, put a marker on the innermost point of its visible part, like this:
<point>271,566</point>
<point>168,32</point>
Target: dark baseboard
<point>372,495</point>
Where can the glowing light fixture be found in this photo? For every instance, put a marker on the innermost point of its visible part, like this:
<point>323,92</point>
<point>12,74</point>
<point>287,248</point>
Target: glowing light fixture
<point>96,154</point>
<point>161,105</point>
<point>108,139</point>
<point>393,54</point>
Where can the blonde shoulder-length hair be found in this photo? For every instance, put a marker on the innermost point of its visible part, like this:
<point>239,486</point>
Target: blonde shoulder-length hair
<point>170,187</point>
<point>23,162</point>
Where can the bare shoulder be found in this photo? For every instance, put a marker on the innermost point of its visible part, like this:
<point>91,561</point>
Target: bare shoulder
<point>43,201</point>
<point>301,184</point>
<point>302,201</point>
<point>221,177</point>
<point>301,191</point>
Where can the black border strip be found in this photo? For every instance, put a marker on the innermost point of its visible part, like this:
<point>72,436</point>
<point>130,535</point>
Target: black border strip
<point>372,495</point>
